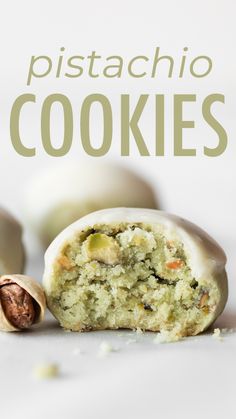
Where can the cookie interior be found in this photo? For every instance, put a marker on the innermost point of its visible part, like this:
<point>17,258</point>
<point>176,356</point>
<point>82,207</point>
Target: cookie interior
<point>129,276</point>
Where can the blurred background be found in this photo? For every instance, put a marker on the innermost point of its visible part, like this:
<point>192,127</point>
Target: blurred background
<point>199,188</point>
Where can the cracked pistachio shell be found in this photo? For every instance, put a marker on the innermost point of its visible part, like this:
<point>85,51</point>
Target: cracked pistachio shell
<point>34,289</point>
<point>12,254</point>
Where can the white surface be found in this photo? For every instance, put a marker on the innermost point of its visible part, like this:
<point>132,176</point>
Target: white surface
<point>191,379</point>
<point>140,379</point>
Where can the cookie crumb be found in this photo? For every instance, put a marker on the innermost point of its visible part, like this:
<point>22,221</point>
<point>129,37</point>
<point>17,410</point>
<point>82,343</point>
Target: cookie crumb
<point>166,336</point>
<point>227,330</point>
<point>45,371</point>
<point>217,334</point>
<point>104,349</point>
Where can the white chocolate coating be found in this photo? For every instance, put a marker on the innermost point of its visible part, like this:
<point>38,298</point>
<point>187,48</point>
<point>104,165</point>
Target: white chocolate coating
<point>81,188</point>
<point>206,258</point>
<point>12,254</point>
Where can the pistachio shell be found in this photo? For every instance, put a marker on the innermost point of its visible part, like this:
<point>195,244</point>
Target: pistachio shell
<point>12,254</point>
<point>34,289</point>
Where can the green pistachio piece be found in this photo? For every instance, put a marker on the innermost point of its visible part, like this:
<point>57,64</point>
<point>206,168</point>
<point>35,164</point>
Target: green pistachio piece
<point>102,248</point>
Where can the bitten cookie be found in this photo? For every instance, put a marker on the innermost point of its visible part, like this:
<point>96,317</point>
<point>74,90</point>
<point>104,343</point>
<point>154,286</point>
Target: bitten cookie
<point>135,268</point>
